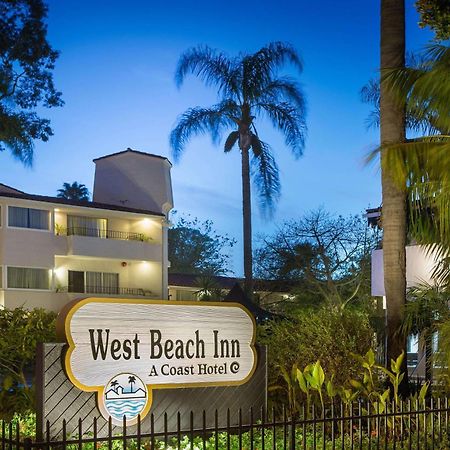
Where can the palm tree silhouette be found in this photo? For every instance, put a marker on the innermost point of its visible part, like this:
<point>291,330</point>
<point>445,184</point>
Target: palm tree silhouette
<point>114,384</point>
<point>131,380</point>
<point>74,191</point>
<point>248,88</point>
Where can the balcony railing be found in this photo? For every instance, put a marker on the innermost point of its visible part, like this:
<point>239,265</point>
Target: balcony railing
<point>108,290</point>
<point>103,234</point>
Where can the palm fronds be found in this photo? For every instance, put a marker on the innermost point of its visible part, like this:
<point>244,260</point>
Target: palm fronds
<point>214,68</point>
<point>248,86</point>
<point>265,175</point>
<point>287,119</point>
<point>231,141</point>
<point>199,120</point>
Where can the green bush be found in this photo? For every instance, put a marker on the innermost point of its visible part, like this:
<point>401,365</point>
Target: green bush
<point>328,334</point>
<point>21,330</point>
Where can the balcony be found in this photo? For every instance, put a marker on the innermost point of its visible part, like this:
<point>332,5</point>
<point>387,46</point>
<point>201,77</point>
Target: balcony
<point>108,290</point>
<point>104,243</point>
<point>103,234</point>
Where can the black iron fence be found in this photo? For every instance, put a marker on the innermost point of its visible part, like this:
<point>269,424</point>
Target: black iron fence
<point>410,425</point>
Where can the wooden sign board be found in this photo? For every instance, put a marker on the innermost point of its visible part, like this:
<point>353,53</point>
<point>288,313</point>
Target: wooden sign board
<point>122,349</point>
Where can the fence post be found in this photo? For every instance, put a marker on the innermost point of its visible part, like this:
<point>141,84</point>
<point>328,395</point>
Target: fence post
<point>27,444</point>
<point>292,447</point>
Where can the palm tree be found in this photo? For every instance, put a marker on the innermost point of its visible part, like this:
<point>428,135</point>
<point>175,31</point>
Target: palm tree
<point>392,130</point>
<point>424,161</point>
<point>74,191</point>
<point>248,87</point>
<point>114,385</point>
<point>131,380</point>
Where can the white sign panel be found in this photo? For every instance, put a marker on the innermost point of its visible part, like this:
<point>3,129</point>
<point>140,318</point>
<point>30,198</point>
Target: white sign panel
<point>125,348</point>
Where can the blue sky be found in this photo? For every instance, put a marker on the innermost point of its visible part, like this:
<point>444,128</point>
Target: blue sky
<point>116,74</point>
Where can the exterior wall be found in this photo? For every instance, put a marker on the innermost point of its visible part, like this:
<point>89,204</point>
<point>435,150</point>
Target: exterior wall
<point>183,293</point>
<point>27,247</point>
<point>145,275</point>
<point>52,301</point>
<point>110,248</point>
<point>134,180</point>
<point>419,267</point>
<point>140,264</point>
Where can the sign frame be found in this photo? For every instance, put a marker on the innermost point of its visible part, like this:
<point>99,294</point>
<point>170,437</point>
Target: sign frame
<point>64,332</point>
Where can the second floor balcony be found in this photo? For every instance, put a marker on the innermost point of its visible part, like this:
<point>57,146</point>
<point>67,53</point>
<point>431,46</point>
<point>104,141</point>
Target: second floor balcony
<point>102,233</point>
<point>106,243</point>
<point>108,291</point>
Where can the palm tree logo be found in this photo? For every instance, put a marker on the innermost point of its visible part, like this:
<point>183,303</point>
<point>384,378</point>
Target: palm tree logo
<point>131,380</point>
<point>114,385</point>
<point>125,395</point>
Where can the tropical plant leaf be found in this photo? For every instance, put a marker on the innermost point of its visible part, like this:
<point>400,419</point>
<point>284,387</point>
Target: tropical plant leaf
<point>196,121</point>
<point>231,141</point>
<point>265,176</point>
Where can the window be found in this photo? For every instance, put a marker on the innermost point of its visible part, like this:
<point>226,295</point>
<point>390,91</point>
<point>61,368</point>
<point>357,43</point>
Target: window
<point>87,226</point>
<point>94,282</point>
<point>38,219</point>
<point>28,278</point>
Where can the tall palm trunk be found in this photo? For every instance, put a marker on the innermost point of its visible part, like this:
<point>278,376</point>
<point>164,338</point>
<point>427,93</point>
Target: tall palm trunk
<point>392,129</point>
<point>247,220</point>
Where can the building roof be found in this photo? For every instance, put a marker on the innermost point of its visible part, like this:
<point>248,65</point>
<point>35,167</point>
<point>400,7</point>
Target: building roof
<point>81,203</point>
<point>193,280</point>
<point>10,189</point>
<point>130,150</point>
<point>261,315</point>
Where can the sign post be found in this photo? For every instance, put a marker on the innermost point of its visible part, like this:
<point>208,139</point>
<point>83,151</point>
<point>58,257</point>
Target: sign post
<point>124,349</point>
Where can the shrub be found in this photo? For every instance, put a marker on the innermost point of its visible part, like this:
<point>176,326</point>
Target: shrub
<point>21,330</point>
<point>330,335</point>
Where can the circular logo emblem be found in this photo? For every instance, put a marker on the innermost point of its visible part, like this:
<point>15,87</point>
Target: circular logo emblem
<point>125,395</point>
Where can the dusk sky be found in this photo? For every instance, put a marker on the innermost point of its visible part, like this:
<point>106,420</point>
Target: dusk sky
<point>116,73</point>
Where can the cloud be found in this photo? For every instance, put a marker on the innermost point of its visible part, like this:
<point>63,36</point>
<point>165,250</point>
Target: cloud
<point>198,200</point>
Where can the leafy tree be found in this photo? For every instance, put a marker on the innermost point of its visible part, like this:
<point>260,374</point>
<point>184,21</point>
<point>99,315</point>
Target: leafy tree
<point>195,247</point>
<point>26,80</point>
<point>323,258</point>
<point>392,130</point>
<point>74,191</point>
<point>436,15</point>
<point>21,330</point>
<point>248,87</point>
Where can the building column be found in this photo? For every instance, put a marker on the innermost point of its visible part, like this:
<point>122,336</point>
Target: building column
<point>165,261</point>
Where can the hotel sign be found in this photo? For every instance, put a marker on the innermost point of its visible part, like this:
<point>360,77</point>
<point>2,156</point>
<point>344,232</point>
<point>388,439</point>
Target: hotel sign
<point>123,349</point>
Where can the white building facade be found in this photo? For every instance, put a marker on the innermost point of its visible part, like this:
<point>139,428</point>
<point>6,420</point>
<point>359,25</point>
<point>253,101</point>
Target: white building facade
<point>53,250</point>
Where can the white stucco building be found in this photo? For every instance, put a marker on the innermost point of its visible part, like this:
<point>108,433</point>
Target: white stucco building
<point>52,250</point>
